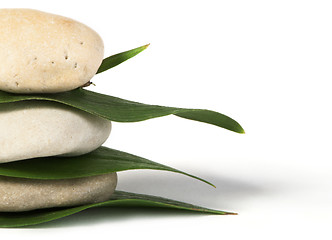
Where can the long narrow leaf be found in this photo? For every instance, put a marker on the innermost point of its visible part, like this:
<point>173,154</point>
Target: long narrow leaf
<point>121,110</point>
<point>101,161</point>
<point>119,199</point>
<point>116,59</point>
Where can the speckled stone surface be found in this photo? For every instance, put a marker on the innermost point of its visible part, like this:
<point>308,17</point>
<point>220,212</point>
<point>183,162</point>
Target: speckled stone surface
<point>20,194</point>
<point>31,129</point>
<point>46,53</point>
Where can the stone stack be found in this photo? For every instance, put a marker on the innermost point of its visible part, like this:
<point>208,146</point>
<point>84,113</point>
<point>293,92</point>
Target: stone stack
<point>46,53</point>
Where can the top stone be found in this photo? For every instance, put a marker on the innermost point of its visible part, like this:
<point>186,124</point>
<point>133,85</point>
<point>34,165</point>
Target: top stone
<point>46,53</point>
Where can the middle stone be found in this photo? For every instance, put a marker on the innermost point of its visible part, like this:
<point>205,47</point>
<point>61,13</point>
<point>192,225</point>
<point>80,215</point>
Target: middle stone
<point>30,129</point>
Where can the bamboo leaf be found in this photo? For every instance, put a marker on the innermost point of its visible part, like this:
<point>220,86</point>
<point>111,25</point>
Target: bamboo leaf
<point>121,110</point>
<point>119,199</point>
<point>100,161</point>
<point>119,58</point>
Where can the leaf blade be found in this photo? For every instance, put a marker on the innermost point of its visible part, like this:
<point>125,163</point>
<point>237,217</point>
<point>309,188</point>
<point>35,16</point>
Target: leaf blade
<point>121,110</point>
<point>118,199</point>
<point>119,58</point>
<point>100,161</point>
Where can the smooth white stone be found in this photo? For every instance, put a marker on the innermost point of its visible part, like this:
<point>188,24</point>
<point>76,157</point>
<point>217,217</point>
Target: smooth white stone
<point>46,53</point>
<point>30,129</point>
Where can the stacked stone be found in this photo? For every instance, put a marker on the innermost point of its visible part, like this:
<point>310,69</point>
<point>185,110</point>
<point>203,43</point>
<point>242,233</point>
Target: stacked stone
<point>46,53</point>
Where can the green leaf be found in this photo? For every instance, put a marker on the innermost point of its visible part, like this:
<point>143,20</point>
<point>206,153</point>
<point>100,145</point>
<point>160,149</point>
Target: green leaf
<point>119,199</point>
<point>100,161</point>
<point>116,59</point>
<point>120,110</point>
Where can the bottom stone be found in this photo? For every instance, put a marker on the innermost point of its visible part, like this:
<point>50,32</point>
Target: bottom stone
<point>22,194</point>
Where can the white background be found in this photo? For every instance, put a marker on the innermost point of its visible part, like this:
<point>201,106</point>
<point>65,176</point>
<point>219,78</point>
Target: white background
<point>266,64</point>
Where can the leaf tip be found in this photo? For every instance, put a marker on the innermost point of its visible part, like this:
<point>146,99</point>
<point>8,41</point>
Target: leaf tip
<point>231,213</point>
<point>239,129</point>
<point>146,46</point>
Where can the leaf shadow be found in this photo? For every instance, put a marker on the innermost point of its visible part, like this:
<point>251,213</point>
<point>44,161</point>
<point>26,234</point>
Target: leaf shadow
<point>230,192</point>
